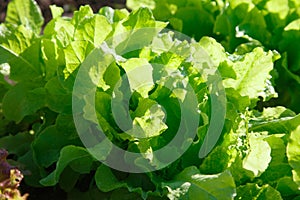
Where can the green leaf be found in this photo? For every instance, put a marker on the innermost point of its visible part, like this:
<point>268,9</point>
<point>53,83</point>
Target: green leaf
<point>16,39</point>
<point>253,191</point>
<point>30,166</point>
<point>132,185</point>
<point>294,25</point>
<point>248,81</point>
<point>241,21</point>
<point>47,143</point>
<point>106,180</point>
<point>190,184</point>
<point>218,57</point>
<point>281,125</point>
<point>56,11</point>
<point>94,30</point>
<point>25,12</point>
<point>68,179</point>
<point>23,99</point>
<point>182,15</point>
<point>278,166</point>
<point>236,101</point>
<point>20,68</point>
<point>75,54</point>
<point>216,162</point>
<point>103,116</point>
<point>272,113</point>
<point>17,144</point>
<point>60,30</point>
<point>148,121</point>
<point>139,19</point>
<point>94,72</point>
<point>58,99</point>
<point>76,157</point>
<point>50,56</point>
<point>259,156</point>
<point>192,16</point>
<point>84,13</point>
<point>287,187</point>
<point>293,149</point>
<point>113,15</point>
<point>139,73</point>
<point>65,123</point>
<point>290,43</point>
<point>136,31</point>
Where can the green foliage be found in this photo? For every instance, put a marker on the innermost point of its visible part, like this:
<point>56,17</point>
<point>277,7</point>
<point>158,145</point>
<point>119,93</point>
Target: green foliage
<point>241,26</point>
<point>242,55</point>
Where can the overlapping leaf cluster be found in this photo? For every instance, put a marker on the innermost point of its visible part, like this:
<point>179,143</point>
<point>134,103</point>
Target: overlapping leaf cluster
<point>257,155</point>
<point>241,26</point>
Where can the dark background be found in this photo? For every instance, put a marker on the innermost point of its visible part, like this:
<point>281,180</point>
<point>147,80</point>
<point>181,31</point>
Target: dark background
<point>68,5</point>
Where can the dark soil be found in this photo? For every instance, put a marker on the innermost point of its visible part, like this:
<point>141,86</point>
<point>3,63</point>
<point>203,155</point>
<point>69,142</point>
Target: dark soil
<point>45,193</point>
<point>68,5</point>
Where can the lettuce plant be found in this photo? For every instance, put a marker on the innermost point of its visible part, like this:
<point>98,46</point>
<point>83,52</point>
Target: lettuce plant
<point>93,104</point>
